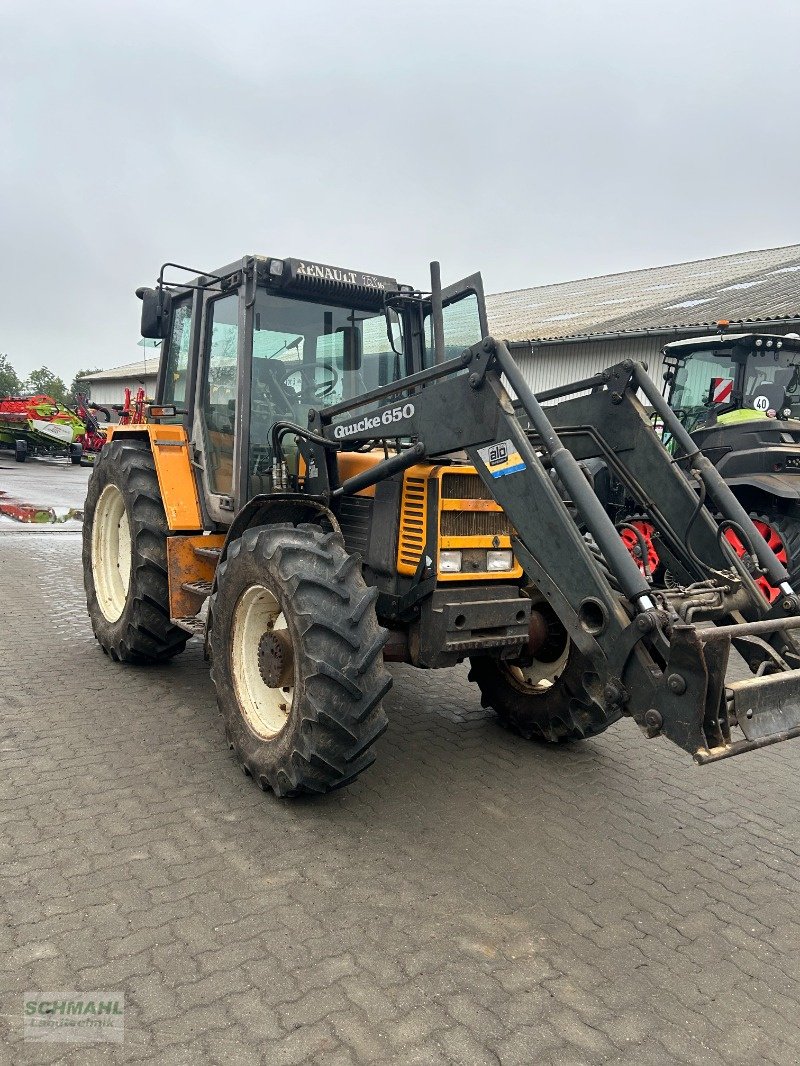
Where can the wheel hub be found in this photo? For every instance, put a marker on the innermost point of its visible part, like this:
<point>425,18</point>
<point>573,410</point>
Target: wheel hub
<point>276,659</point>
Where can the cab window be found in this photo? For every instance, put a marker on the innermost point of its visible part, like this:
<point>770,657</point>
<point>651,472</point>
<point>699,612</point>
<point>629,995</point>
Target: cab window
<point>219,390</point>
<point>178,354</point>
<point>462,328</point>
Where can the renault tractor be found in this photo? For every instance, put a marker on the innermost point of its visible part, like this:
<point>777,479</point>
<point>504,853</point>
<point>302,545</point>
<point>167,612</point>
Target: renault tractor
<point>341,470</point>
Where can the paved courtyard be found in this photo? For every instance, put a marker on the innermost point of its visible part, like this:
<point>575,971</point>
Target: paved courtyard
<point>472,898</point>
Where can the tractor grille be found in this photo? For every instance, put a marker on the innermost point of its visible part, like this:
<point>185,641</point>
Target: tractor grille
<point>465,523</point>
<point>412,524</point>
<point>474,524</point>
<point>463,487</point>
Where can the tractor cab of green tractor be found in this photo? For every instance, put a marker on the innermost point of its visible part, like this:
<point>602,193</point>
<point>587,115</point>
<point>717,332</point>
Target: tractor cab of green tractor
<point>731,378</point>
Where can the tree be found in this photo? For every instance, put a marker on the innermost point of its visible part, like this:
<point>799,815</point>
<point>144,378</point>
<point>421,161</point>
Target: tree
<point>10,385</point>
<point>84,387</point>
<point>46,382</point>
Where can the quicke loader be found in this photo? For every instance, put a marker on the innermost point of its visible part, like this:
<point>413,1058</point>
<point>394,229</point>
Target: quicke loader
<point>340,470</point>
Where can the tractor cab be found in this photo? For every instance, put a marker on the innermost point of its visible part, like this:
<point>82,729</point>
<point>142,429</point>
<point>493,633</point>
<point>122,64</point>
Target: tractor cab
<point>264,341</point>
<point>732,378</point>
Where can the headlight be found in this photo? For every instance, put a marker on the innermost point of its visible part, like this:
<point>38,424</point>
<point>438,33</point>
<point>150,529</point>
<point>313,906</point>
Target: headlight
<point>499,561</point>
<point>450,562</point>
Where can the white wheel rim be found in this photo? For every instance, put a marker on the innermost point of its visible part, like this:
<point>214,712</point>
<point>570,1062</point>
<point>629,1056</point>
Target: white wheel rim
<point>266,710</point>
<point>540,675</point>
<point>111,553</point>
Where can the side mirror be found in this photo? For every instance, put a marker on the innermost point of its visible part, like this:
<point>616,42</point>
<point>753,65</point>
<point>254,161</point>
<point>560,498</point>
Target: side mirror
<point>155,312</point>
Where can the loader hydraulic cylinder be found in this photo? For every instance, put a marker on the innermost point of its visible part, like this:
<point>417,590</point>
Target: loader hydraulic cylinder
<point>632,581</point>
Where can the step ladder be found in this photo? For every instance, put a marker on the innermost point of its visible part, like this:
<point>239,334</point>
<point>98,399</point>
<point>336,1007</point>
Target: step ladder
<point>190,597</point>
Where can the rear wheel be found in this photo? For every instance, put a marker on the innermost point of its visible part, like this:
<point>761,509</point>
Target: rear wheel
<point>543,697</point>
<point>20,450</point>
<point>297,659</point>
<point>125,558</point>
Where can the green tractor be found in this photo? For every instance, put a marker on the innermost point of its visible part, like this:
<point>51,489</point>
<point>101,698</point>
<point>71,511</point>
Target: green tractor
<point>738,397</point>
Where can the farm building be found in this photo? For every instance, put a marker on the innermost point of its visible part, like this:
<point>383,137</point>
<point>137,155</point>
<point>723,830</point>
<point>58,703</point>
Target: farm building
<point>573,329</point>
<point>108,386</point>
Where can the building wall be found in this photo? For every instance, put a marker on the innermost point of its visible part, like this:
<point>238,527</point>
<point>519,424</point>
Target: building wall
<point>112,390</point>
<point>558,364</point>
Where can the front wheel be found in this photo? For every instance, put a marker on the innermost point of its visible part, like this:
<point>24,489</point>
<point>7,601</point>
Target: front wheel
<point>543,697</point>
<point>297,659</point>
<point>782,534</point>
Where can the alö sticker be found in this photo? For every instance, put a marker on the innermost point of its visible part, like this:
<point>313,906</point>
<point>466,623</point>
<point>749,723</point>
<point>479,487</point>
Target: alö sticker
<point>501,458</point>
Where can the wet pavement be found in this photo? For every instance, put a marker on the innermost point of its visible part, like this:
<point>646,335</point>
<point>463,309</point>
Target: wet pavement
<point>41,494</point>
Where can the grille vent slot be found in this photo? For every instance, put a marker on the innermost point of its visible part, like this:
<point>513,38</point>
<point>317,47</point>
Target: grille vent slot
<point>474,524</point>
<point>464,487</point>
<point>412,527</point>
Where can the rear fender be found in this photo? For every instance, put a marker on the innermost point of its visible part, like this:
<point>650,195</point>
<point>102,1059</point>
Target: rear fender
<point>171,454</point>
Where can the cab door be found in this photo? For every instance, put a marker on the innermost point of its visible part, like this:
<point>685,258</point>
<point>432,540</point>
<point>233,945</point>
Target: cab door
<point>217,415</point>
<point>463,317</point>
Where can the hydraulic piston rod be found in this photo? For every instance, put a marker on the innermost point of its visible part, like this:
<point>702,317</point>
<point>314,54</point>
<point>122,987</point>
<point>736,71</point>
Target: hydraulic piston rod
<point>631,579</point>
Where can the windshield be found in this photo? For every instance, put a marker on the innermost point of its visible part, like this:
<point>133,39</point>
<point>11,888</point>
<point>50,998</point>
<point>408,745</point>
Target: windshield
<point>308,355</point>
<point>756,380</point>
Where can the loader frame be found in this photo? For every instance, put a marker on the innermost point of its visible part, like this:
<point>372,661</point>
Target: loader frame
<point>647,657</point>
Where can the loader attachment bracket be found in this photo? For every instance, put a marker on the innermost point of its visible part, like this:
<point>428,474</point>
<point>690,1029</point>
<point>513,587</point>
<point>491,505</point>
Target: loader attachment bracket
<point>696,710</point>
<point>683,702</point>
<point>768,705</point>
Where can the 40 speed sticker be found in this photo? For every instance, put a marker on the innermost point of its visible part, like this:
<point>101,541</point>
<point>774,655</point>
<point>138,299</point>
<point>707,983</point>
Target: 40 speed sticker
<point>501,458</point>
<point>381,420</point>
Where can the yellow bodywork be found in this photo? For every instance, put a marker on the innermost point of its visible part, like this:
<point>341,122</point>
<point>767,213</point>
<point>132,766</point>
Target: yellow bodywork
<point>467,518</point>
<point>461,500</point>
<point>170,448</point>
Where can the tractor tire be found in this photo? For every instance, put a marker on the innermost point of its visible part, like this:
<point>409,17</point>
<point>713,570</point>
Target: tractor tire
<point>297,659</point>
<point>125,558</point>
<point>788,530</point>
<point>20,450</point>
<point>551,713</point>
<point>782,533</point>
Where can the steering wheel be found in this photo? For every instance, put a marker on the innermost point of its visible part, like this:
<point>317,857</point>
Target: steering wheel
<point>690,417</point>
<point>309,374</point>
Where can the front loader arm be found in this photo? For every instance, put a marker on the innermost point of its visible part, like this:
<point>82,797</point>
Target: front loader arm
<point>642,657</point>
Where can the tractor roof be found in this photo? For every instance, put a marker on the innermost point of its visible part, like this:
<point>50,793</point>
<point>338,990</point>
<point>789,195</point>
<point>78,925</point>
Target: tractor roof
<point>721,342</point>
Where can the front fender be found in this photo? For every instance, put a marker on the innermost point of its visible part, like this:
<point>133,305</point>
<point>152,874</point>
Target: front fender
<point>264,510</point>
<point>785,486</point>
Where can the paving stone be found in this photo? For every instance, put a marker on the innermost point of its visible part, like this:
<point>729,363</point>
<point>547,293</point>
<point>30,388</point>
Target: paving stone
<point>472,898</point>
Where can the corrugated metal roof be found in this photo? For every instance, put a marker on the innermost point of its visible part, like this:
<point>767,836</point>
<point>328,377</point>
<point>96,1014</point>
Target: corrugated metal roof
<point>746,287</point>
<point>140,368</point>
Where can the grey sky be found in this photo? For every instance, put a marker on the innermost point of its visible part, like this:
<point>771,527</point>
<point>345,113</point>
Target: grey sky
<point>534,141</point>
